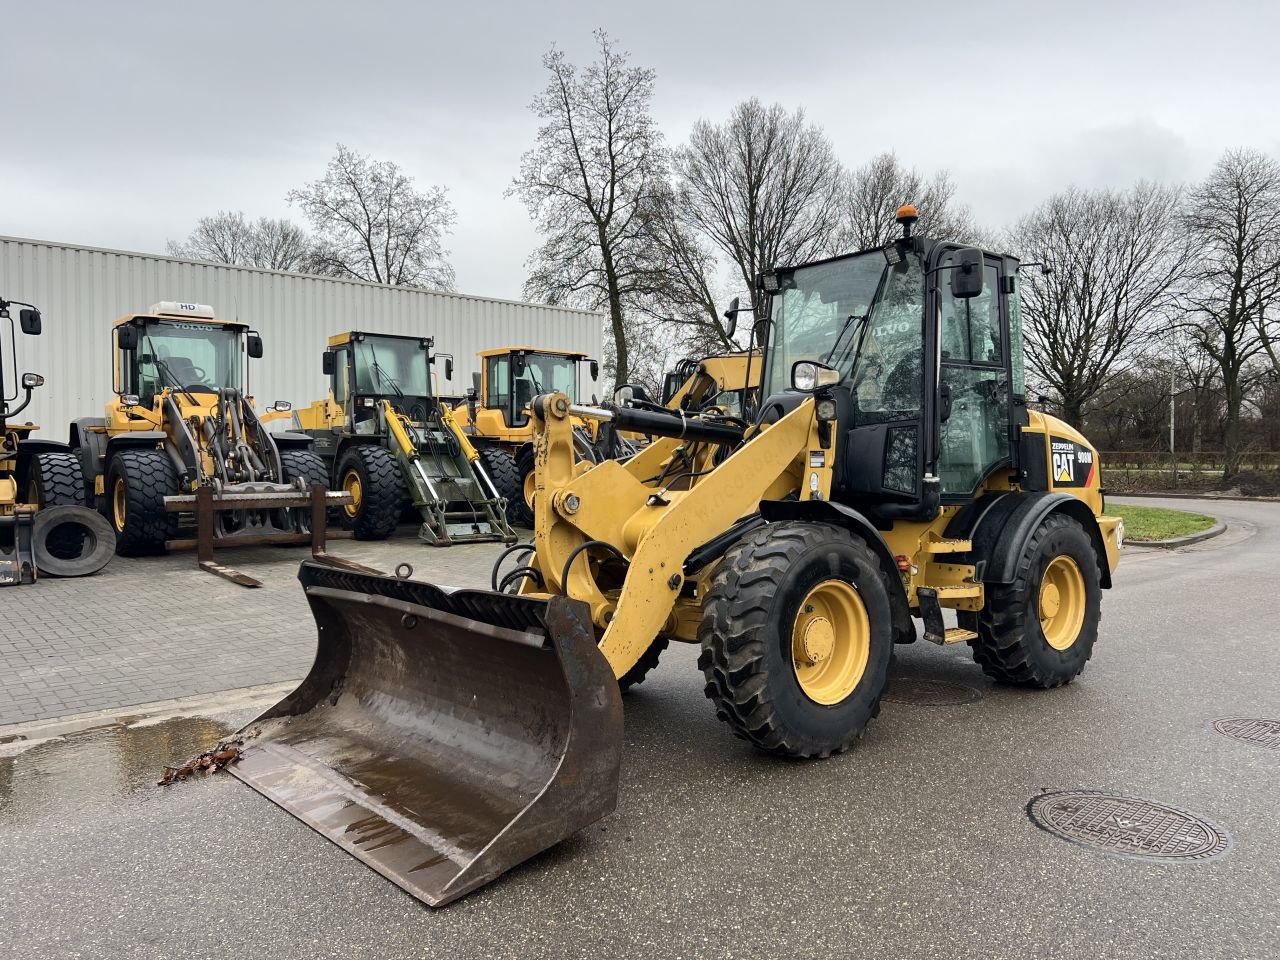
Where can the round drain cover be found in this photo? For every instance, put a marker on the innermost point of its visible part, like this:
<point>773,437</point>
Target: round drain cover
<point>1255,730</point>
<point>1128,826</point>
<point>929,693</point>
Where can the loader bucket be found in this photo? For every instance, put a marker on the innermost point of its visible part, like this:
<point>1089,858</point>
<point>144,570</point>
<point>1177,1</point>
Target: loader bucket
<point>441,737</point>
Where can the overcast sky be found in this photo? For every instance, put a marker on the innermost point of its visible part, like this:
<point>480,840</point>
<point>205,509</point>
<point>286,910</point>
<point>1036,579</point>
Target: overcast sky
<point>122,128</point>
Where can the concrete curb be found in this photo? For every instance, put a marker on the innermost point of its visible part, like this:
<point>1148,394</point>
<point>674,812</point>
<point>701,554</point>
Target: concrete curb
<point>1216,530</point>
<point>1208,495</point>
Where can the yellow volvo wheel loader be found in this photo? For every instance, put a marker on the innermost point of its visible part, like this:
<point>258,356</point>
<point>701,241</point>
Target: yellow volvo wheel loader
<point>892,473</point>
<point>496,411</point>
<point>388,442</point>
<point>44,525</point>
<point>181,444</point>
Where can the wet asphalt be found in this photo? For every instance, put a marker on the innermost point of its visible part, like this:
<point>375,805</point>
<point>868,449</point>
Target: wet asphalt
<point>915,844</point>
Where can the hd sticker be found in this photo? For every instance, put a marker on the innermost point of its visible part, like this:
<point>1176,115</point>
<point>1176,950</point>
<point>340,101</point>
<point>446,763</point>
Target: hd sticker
<point>1073,463</point>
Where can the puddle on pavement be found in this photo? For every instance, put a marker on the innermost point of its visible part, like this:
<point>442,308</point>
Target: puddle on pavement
<point>102,766</point>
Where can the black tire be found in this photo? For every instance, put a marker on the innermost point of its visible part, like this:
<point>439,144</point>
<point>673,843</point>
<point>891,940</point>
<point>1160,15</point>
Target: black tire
<point>382,491</point>
<point>95,536</point>
<point>148,476</point>
<point>644,665</point>
<point>56,480</point>
<point>504,471</point>
<point>523,511</point>
<point>1011,646</point>
<point>310,467</point>
<point>746,636</point>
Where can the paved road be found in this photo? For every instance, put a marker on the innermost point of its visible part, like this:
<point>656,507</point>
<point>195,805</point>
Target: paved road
<point>914,844</point>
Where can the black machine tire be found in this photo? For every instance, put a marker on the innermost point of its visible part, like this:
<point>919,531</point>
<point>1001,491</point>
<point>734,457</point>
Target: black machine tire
<point>1011,646</point>
<point>747,637</point>
<point>95,538</point>
<point>647,662</point>
<point>56,480</point>
<point>382,491</point>
<point>148,477</point>
<point>310,466</point>
<point>504,471</point>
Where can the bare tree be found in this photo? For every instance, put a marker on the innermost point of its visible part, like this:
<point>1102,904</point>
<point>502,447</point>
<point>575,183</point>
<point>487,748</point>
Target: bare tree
<point>371,223</point>
<point>597,165</point>
<point>763,187</point>
<point>1116,260</point>
<point>1234,217</point>
<point>228,237</point>
<point>872,194</point>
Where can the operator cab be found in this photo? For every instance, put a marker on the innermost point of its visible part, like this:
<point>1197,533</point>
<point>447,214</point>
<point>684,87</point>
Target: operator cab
<point>923,342</point>
<point>366,368</point>
<point>182,347</point>
<point>513,378</point>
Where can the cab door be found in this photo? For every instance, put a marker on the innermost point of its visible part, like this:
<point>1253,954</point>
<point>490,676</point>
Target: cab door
<point>974,381</point>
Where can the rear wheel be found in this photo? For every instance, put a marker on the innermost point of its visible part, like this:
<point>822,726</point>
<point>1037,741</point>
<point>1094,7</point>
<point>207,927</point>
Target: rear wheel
<point>378,492</point>
<point>1039,631</point>
<point>136,485</point>
<point>56,481</point>
<point>796,638</point>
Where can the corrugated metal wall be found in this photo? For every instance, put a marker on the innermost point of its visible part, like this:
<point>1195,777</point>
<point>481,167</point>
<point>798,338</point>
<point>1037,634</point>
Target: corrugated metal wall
<point>81,290</point>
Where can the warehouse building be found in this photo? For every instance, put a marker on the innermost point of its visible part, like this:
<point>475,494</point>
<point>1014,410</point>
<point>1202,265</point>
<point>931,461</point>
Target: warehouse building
<point>81,290</point>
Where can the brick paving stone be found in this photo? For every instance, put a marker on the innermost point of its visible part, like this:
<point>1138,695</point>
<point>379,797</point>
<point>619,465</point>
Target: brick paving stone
<point>158,628</point>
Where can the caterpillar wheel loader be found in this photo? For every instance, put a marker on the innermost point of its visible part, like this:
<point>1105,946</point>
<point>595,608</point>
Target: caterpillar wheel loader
<point>496,411</point>
<point>893,472</point>
<point>182,446</point>
<point>44,525</point>
<point>388,442</point>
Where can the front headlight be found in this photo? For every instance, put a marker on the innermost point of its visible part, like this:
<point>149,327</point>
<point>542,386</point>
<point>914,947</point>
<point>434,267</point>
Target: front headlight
<point>809,375</point>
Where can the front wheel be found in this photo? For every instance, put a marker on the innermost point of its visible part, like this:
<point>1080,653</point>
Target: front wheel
<point>1039,631</point>
<point>796,637</point>
<point>378,491</point>
<point>137,483</point>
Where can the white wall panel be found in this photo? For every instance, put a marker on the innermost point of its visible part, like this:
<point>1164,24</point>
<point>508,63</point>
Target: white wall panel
<point>81,290</point>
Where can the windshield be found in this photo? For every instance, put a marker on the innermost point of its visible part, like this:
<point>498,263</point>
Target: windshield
<point>391,366</point>
<point>827,311</point>
<point>187,355</point>
<point>549,373</point>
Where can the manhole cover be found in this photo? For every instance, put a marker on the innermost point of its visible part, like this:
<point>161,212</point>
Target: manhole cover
<point>929,693</point>
<point>1128,826</point>
<point>1255,730</point>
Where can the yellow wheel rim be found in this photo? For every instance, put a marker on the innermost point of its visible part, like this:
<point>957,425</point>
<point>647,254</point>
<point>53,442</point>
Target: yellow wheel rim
<point>1062,602</point>
<point>830,642</point>
<point>119,504</point>
<point>351,484</point>
<point>530,487</point>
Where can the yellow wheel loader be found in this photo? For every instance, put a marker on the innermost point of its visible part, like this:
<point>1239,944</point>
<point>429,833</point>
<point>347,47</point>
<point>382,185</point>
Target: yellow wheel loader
<point>892,473</point>
<point>44,525</point>
<point>182,446</point>
<point>388,443</point>
<point>729,381</point>
<point>496,411</point>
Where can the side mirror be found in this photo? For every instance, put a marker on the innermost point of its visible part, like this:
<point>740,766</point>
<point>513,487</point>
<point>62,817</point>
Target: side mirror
<point>517,364</point>
<point>282,406</point>
<point>732,316</point>
<point>448,368</point>
<point>328,362</point>
<point>471,393</point>
<point>966,275</point>
<point>254,344</point>
<point>809,375</point>
<point>31,380</point>
<point>127,337</point>
<point>595,371</point>
<point>30,321</point>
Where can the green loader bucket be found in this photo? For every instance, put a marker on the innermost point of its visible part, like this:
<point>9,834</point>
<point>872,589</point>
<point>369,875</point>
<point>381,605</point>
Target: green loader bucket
<point>441,737</point>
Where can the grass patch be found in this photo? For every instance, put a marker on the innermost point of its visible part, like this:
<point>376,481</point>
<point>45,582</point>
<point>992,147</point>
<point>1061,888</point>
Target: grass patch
<point>1157,523</point>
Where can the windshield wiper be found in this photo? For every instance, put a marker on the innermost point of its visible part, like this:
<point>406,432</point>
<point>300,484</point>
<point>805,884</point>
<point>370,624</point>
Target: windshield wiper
<point>844,328</point>
<point>163,367</point>
<point>383,375</point>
